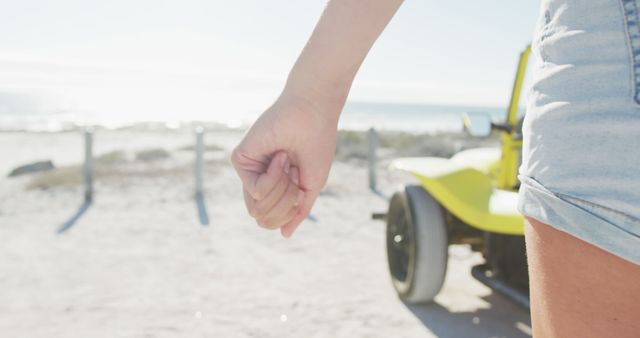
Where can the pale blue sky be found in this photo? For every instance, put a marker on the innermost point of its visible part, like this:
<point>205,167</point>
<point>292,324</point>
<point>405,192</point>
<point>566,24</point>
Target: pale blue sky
<point>221,58</point>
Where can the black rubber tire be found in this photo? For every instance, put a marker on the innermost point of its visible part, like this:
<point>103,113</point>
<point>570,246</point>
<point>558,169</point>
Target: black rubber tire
<point>417,245</point>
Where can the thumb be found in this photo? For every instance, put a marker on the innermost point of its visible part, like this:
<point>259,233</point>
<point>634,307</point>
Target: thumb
<point>304,209</point>
<point>258,177</point>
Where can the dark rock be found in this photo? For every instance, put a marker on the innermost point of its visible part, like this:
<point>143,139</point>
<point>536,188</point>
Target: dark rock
<point>31,168</point>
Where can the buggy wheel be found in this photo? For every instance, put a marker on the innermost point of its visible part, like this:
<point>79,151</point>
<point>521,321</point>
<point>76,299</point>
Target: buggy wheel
<point>417,244</point>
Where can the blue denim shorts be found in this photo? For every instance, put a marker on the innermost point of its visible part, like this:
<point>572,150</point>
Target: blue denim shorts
<point>580,169</point>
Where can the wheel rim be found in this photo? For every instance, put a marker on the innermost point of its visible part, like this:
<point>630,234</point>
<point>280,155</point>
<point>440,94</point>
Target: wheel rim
<point>400,244</point>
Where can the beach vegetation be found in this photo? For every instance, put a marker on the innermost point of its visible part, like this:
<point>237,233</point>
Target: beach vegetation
<point>112,157</point>
<point>60,177</point>
<point>152,154</point>
<point>207,148</point>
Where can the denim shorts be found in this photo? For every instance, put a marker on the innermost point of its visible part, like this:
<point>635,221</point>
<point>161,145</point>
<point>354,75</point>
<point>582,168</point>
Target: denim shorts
<point>580,169</point>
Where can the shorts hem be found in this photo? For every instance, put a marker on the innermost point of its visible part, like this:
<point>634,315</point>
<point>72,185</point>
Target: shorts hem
<point>536,201</point>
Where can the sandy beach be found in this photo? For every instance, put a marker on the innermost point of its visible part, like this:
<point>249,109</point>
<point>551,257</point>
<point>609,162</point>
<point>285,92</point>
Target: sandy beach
<point>139,264</point>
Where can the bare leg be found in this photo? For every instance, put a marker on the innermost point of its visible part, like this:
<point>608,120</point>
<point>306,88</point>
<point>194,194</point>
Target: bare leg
<point>579,290</point>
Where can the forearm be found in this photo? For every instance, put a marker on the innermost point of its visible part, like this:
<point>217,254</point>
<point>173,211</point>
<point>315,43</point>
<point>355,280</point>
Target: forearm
<point>337,47</point>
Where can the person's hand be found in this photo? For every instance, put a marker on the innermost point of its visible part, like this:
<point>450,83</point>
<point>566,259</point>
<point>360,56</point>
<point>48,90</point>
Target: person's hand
<point>284,160</point>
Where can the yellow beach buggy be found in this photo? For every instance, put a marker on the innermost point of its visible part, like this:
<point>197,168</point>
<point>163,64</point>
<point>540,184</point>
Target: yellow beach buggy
<point>470,198</point>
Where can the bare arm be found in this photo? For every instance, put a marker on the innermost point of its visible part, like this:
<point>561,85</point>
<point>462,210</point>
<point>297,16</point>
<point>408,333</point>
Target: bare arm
<point>284,159</point>
<point>337,47</point>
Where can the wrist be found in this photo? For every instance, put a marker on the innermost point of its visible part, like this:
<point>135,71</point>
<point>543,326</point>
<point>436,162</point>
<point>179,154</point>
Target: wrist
<point>325,96</point>
<point>314,109</point>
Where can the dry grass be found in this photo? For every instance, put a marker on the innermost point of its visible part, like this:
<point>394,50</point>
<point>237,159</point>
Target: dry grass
<point>60,177</point>
<point>207,148</point>
<point>111,158</point>
<point>354,144</point>
<point>152,154</point>
<point>113,166</point>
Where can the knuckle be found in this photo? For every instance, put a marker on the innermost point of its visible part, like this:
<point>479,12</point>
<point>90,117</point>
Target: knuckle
<point>294,194</point>
<point>259,212</point>
<point>260,192</point>
<point>250,207</point>
<point>292,214</point>
<point>251,212</point>
<point>235,156</point>
<point>268,224</point>
<point>257,195</point>
<point>262,224</point>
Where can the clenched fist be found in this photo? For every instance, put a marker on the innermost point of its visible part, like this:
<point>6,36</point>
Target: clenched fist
<point>284,160</point>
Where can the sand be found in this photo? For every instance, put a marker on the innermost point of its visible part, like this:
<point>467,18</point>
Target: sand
<point>139,264</point>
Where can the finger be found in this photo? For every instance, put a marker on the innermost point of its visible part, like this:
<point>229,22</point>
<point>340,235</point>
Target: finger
<point>249,202</point>
<point>295,175</point>
<point>263,207</point>
<point>275,224</point>
<point>304,209</point>
<point>277,216</point>
<point>257,177</point>
<point>288,216</point>
<point>247,168</point>
<point>278,170</point>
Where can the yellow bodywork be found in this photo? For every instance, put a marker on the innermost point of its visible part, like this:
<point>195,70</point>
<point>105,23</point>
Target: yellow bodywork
<point>511,145</point>
<point>467,190</point>
<point>479,186</point>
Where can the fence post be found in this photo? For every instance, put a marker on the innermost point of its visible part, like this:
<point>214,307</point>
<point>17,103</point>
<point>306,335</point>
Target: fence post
<point>371,155</point>
<point>87,172</point>
<point>199,161</point>
<point>202,210</point>
<point>88,168</point>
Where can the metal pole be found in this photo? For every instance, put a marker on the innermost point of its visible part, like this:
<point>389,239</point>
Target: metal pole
<point>199,161</point>
<point>88,165</point>
<point>87,171</point>
<point>202,210</point>
<point>373,144</point>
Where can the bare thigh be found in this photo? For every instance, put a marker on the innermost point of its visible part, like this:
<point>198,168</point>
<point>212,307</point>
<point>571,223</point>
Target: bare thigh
<point>579,290</point>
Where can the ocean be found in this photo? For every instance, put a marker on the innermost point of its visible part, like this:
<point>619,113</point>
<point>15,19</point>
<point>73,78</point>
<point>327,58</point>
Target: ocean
<point>410,117</point>
<point>356,116</point>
